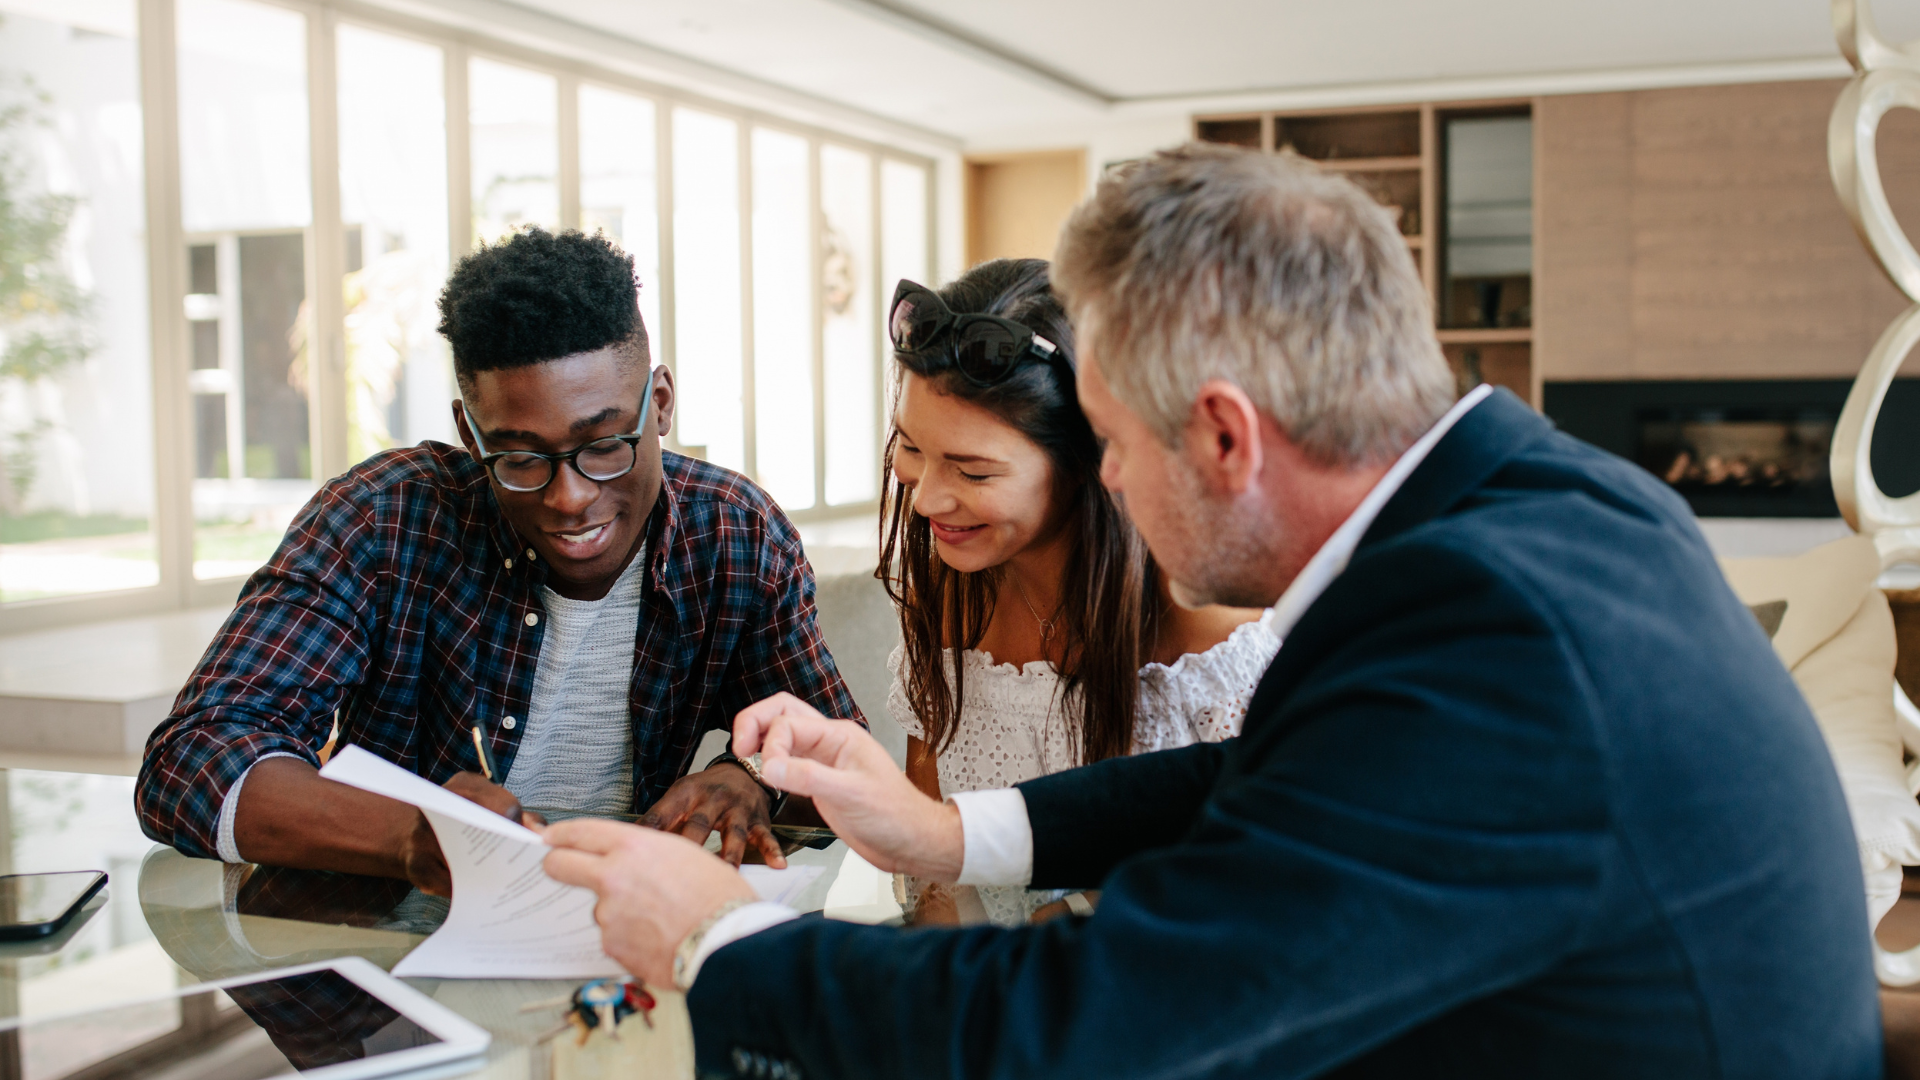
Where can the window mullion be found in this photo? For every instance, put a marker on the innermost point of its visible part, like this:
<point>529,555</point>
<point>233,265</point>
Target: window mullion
<point>882,292</point>
<point>459,157</point>
<point>665,340</point>
<point>327,256</point>
<point>167,288</point>
<point>817,247</point>
<point>933,233</point>
<point>569,131</point>
<point>750,458</point>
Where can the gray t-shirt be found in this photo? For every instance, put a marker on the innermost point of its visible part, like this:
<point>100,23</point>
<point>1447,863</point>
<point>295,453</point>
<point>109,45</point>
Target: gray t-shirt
<point>576,754</point>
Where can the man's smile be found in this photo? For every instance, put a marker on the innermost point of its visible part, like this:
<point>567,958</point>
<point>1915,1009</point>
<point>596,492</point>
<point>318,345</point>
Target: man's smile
<point>583,543</point>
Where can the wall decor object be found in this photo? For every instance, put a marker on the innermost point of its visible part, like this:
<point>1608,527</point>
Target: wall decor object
<point>1887,77</point>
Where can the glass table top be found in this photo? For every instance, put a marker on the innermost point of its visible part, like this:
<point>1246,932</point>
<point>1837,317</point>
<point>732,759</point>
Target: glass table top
<point>166,921</point>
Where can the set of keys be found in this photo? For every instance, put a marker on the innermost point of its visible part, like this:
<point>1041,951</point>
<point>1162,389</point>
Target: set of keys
<point>602,1003</point>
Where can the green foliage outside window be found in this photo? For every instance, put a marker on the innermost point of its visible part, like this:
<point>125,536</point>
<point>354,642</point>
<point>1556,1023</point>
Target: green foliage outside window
<point>44,314</point>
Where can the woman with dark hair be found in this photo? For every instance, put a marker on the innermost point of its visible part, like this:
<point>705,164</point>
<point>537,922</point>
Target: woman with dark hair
<point>1037,634</point>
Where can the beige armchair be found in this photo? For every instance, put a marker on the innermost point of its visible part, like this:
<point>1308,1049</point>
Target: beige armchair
<point>1836,636</point>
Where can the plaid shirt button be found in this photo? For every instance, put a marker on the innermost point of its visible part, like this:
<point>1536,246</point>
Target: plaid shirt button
<point>509,723</point>
<point>532,619</point>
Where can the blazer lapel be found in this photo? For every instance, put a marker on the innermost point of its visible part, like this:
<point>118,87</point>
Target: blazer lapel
<point>1474,449</point>
<point>1478,444</point>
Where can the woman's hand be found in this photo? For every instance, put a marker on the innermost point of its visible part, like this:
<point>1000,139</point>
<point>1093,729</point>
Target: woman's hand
<point>855,786</point>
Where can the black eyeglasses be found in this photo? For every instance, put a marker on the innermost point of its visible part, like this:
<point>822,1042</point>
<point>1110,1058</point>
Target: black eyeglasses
<point>985,348</point>
<point>600,460</point>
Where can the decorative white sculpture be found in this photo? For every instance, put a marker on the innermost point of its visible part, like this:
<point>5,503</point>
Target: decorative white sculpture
<point>1887,77</point>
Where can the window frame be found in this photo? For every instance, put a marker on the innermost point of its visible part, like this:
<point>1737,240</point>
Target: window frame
<point>326,249</point>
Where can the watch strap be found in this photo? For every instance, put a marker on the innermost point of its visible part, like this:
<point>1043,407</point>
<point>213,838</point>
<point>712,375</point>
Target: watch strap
<point>683,971</point>
<point>776,799</point>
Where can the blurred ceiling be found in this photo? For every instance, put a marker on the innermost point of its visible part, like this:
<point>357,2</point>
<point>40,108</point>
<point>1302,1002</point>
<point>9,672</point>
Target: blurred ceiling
<point>987,66</point>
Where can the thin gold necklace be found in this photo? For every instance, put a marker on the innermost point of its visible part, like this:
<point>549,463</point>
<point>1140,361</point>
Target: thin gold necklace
<point>1046,625</point>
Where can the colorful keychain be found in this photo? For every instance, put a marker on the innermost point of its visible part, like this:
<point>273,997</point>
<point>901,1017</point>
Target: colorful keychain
<point>600,1003</point>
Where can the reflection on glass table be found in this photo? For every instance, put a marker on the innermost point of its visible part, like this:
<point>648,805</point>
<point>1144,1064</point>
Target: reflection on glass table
<point>218,921</point>
<point>167,921</point>
<point>343,1018</point>
<point>71,821</point>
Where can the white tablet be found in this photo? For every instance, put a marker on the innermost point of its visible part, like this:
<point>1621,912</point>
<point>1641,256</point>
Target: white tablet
<point>339,1020</point>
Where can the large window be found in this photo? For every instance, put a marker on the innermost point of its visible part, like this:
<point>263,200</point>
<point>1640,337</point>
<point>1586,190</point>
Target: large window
<point>783,307</point>
<point>619,185</point>
<point>514,122</point>
<point>174,390</point>
<point>847,275</point>
<point>245,206</point>
<point>706,267</point>
<point>76,389</point>
<point>393,208</point>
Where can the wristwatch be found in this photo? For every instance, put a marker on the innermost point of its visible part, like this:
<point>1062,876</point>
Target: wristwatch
<point>775,797</point>
<point>683,969</point>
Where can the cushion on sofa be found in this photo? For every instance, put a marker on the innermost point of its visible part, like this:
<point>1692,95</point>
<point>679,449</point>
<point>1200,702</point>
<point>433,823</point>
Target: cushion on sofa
<point>1836,637</point>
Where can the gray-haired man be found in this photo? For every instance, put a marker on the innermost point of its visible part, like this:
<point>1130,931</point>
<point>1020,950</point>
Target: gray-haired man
<point>1524,794</point>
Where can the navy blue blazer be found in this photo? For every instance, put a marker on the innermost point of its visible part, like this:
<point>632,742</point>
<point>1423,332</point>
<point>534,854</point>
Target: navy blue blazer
<point>1525,793</point>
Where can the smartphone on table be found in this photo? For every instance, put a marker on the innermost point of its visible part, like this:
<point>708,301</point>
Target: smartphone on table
<point>37,905</point>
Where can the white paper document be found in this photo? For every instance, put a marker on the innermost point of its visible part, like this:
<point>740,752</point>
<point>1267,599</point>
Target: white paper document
<point>509,920</point>
<point>780,886</point>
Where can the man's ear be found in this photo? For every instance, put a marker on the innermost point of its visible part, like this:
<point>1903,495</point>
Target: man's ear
<point>460,426</point>
<point>663,401</point>
<point>1223,438</point>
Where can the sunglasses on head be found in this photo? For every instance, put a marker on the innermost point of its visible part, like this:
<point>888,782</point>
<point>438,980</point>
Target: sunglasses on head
<point>985,348</point>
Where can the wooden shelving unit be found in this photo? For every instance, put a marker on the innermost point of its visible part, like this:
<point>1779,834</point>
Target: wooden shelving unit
<point>1379,164</point>
<point>1491,336</point>
<point>1394,154</point>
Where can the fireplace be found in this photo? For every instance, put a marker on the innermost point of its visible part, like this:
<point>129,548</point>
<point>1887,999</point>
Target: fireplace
<point>1740,448</point>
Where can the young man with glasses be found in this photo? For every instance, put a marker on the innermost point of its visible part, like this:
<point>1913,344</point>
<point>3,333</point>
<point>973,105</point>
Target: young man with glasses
<point>560,588</point>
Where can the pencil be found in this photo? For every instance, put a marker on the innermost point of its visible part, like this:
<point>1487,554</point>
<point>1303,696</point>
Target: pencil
<point>486,756</point>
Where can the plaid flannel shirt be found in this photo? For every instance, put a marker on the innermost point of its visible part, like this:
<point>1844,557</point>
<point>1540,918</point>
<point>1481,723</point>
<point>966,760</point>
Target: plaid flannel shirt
<point>402,598</point>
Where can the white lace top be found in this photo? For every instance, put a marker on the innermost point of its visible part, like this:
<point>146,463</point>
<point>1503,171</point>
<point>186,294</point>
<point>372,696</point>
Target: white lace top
<point>1014,728</point>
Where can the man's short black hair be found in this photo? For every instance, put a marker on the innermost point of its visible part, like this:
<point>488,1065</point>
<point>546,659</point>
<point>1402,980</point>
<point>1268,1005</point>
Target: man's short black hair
<point>538,296</point>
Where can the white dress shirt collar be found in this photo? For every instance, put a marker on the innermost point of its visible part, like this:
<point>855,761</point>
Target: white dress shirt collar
<point>1333,556</point>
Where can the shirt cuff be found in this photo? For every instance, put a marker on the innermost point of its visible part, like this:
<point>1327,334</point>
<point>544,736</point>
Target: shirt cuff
<point>998,837</point>
<point>743,921</point>
<point>223,835</point>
